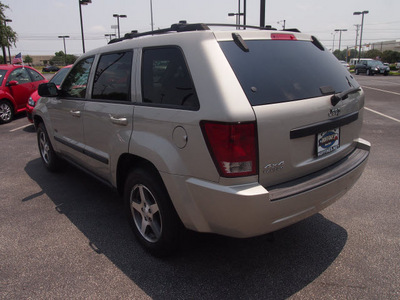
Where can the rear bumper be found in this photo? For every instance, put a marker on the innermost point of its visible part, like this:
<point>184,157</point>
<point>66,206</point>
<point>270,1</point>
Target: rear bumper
<point>250,210</point>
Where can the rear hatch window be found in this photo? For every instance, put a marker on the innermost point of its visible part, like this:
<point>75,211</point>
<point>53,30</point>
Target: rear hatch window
<point>274,71</point>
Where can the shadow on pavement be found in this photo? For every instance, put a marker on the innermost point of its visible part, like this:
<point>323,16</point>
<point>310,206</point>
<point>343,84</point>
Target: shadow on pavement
<point>208,266</point>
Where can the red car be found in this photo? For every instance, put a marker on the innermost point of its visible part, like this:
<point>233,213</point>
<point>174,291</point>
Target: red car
<point>57,79</point>
<point>17,83</point>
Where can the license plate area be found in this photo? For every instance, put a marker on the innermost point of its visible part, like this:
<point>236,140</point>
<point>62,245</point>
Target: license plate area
<point>328,141</point>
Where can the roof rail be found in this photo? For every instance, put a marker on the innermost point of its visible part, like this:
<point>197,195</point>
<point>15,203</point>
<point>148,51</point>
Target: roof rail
<point>183,26</point>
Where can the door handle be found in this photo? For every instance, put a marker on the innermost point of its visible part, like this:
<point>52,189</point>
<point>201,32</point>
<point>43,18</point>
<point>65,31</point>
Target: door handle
<point>75,113</point>
<point>119,121</point>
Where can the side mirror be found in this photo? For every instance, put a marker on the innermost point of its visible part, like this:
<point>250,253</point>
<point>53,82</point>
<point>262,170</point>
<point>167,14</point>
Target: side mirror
<point>12,83</point>
<point>48,89</point>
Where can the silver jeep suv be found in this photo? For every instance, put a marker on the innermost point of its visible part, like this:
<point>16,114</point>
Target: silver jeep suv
<point>238,133</point>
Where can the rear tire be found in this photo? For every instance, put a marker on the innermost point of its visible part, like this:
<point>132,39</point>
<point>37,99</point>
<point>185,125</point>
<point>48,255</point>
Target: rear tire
<point>150,213</point>
<point>49,157</point>
<point>357,72</point>
<point>6,112</point>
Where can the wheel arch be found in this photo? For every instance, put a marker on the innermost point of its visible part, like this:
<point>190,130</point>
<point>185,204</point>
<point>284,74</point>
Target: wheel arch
<point>37,120</point>
<point>126,163</point>
<point>11,101</point>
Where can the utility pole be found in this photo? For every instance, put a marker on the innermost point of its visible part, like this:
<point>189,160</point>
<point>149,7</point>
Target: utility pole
<point>362,13</point>
<point>262,13</point>
<point>357,28</point>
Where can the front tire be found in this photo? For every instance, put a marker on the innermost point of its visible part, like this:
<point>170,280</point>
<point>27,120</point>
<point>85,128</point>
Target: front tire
<point>357,72</point>
<point>6,112</point>
<point>49,157</point>
<point>150,213</point>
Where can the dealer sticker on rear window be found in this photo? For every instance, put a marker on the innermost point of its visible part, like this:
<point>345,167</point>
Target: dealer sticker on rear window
<point>327,141</point>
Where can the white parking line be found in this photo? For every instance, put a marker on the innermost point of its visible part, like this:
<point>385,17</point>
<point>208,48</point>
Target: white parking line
<point>22,127</point>
<point>381,114</point>
<point>385,91</point>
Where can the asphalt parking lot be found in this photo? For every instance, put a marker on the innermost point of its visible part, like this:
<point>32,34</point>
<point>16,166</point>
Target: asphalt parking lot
<point>64,235</point>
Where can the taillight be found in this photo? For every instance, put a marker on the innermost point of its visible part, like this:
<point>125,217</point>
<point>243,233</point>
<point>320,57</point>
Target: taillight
<point>233,147</point>
<point>283,36</point>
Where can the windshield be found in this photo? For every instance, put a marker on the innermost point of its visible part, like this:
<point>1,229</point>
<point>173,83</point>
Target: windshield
<point>2,74</point>
<point>375,63</point>
<point>59,77</point>
<point>279,71</point>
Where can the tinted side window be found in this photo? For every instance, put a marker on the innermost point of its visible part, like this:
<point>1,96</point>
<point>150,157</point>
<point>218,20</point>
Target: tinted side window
<point>166,79</point>
<point>75,83</point>
<point>35,75</point>
<point>112,79</point>
<point>59,77</point>
<point>20,75</point>
<point>2,74</point>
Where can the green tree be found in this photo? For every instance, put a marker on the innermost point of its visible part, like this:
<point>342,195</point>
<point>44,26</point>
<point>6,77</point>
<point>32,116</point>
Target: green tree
<point>60,59</point>
<point>390,56</point>
<point>374,53</point>
<point>339,54</point>
<point>28,59</point>
<point>8,37</point>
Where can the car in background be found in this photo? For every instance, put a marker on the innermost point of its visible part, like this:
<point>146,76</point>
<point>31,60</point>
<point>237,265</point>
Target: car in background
<point>345,64</point>
<point>17,83</point>
<point>56,79</point>
<point>51,69</point>
<point>371,67</point>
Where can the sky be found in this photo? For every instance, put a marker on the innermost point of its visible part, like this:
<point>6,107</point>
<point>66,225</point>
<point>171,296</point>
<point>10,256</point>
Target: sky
<point>38,23</point>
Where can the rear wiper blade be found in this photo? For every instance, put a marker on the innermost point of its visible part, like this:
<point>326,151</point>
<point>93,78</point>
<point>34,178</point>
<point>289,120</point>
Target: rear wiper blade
<point>336,98</point>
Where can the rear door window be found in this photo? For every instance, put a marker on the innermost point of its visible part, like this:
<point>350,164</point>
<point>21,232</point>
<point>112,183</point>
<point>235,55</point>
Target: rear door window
<point>166,80</point>
<point>274,71</point>
<point>35,75</point>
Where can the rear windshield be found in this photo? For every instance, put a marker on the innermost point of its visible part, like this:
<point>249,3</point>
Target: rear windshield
<point>274,71</point>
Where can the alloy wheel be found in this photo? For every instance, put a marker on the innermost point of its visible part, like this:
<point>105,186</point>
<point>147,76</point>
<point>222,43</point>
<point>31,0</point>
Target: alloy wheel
<point>44,147</point>
<point>145,213</point>
<point>5,112</point>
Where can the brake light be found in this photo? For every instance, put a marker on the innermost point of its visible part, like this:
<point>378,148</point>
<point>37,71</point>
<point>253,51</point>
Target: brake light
<point>283,36</point>
<point>233,147</point>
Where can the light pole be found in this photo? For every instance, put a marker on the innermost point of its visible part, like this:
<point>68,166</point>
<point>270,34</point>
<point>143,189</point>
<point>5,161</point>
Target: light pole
<point>151,13</point>
<point>237,18</point>
<point>340,35</point>
<point>8,46</point>
<point>83,2</point>
<point>356,13</point>
<point>109,35</point>
<point>119,16</point>
<point>244,13</point>
<point>65,48</point>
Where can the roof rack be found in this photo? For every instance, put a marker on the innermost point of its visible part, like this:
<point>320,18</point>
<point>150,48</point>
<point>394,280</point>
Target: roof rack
<point>183,26</point>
